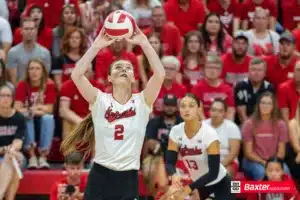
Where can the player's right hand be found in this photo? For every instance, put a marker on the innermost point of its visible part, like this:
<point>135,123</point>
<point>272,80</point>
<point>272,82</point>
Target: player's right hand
<point>176,181</point>
<point>103,40</point>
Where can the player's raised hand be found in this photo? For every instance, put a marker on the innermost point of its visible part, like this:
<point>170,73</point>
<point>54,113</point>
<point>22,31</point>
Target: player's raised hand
<point>103,40</point>
<point>138,38</point>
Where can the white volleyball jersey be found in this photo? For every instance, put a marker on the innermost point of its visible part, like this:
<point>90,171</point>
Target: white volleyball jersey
<point>119,131</point>
<point>193,150</point>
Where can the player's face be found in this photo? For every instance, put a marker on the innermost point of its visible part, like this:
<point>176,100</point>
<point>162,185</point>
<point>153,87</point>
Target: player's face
<point>189,109</point>
<point>35,71</point>
<point>217,112</point>
<point>266,105</point>
<point>121,73</point>
<point>274,171</point>
<point>74,171</point>
<point>6,97</point>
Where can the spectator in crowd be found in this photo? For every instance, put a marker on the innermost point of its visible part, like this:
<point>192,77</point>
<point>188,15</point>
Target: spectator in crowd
<point>264,135</point>
<point>215,38</point>
<point>16,64</point>
<point>4,9</point>
<point>187,15</point>
<point>293,150</point>
<point>229,135</point>
<point>169,33</point>
<point>247,91</point>
<point>212,86</point>
<point>141,11</point>
<point>52,9</point>
<point>35,98</point>
<point>290,14</point>
<point>296,33</point>
<point>3,75</point>
<point>170,86</point>
<point>73,185</point>
<point>44,35</point>
<point>236,63</point>
<point>281,66</point>
<point>12,133</point>
<point>15,8</point>
<point>67,19</point>
<point>144,66</point>
<point>192,59</point>
<point>248,12</point>
<point>288,95</point>
<point>262,41</point>
<point>157,137</point>
<point>107,56</point>
<point>5,36</point>
<point>74,45</point>
<point>229,12</point>
<point>73,108</point>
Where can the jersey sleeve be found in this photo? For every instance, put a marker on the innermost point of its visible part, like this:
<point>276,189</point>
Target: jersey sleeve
<point>152,128</point>
<point>98,105</point>
<point>209,137</point>
<point>175,135</point>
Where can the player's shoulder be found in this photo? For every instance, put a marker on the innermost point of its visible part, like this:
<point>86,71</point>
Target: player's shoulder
<point>178,128</point>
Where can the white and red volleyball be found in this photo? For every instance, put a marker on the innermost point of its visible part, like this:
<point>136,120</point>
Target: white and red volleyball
<point>119,24</point>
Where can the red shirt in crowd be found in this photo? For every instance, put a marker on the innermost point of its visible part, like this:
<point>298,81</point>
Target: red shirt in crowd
<point>177,90</point>
<point>31,95</point>
<point>78,104</point>
<point>232,71</point>
<point>296,34</point>
<point>290,14</point>
<point>106,57</point>
<point>55,186</point>
<point>52,9</point>
<point>45,37</point>
<point>227,45</point>
<point>185,20</point>
<point>170,38</point>
<point>206,94</point>
<point>248,8</point>
<point>190,76</point>
<point>226,14</point>
<point>288,97</point>
<point>278,73</point>
<point>266,137</point>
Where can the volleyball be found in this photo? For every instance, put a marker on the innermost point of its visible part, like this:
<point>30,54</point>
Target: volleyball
<point>119,24</point>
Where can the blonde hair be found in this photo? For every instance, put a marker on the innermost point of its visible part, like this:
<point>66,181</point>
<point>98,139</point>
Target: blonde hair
<point>171,60</point>
<point>81,138</point>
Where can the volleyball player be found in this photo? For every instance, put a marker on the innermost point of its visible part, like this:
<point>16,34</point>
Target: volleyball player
<point>199,148</point>
<point>117,124</point>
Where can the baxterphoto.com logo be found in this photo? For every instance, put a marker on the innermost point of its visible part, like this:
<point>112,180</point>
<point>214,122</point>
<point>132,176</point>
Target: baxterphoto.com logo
<point>262,187</point>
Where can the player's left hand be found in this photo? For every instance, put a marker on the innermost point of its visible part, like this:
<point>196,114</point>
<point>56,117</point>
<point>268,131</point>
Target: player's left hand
<point>138,38</point>
<point>174,193</point>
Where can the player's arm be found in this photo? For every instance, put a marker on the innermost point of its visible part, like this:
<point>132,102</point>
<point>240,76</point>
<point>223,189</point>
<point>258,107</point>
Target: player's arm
<point>87,90</point>
<point>213,154</point>
<point>171,157</point>
<point>154,84</point>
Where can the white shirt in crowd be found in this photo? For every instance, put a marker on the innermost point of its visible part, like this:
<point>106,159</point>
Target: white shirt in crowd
<point>5,31</point>
<point>193,151</point>
<point>119,131</point>
<point>226,131</point>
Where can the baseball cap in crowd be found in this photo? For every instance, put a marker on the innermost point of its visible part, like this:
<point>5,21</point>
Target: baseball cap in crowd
<point>287,36</point>
<point>170,100</point>
<point>240,35</point>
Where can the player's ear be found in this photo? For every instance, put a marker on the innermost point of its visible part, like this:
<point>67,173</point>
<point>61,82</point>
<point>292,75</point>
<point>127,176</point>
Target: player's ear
<point>109,78</point>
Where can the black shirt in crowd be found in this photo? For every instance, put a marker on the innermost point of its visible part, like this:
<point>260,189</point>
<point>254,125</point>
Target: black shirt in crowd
<point>157,129</point>
<point>11,128</point>
<point>246,96</point>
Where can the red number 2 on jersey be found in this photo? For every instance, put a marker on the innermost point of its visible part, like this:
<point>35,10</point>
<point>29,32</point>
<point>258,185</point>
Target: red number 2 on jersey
<point>192,164</point>
<point>119,130</point>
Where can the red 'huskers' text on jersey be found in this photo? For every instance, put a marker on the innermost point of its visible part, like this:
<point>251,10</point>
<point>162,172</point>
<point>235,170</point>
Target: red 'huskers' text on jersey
<point>119,130</point>
<point>193,151</point>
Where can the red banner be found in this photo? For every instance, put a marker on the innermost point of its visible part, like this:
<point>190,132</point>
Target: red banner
<point>263,187</point>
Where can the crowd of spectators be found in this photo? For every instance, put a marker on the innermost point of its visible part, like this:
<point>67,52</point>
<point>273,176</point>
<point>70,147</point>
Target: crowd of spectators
<point>239,57</point>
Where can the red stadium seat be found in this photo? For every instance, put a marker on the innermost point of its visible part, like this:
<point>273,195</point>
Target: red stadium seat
<point>39,182</point>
